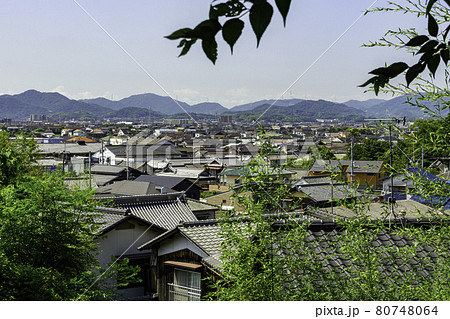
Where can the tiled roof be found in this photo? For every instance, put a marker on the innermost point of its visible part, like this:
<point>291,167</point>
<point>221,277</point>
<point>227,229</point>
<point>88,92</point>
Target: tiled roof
<point>198,206</point>
<point>132,188</point>
<point>167,181</point>
<point>143,150</point>
<point>411,209</point>
<point>326,191</point>
<point>358,166</point>
<point>69,148</point>
<point>325,242</point>
<point>101,180</point>
<point>109,217</point>
<point>107,169</point>
<point>164,211</point>
<point>205,236</point>
<point>245,171</point>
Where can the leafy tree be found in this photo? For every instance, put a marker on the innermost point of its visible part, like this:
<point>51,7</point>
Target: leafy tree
<point>325,153</point>
<point>48,241</point>
<point>17,158</point>
<point>260,14</point>
<point>433,135</point>
<point>368,150</point>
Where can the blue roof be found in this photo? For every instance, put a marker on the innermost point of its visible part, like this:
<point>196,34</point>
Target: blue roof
<point>425,175</point>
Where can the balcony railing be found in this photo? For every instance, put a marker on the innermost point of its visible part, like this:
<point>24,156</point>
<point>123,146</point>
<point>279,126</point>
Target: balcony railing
<point>182,293</point>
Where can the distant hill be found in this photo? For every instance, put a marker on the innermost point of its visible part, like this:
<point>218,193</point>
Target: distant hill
<point>135,113</point>
<point>253,105</point>
<point>157,103</point>
<point>12,108</point>
<point>398,107</point>
<point>364,105</point>
<point>21,106</point>
<point>302,111</point>
<point>207,108</point>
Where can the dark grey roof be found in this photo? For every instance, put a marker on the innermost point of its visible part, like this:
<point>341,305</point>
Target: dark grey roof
<point>132,188</point>
<point>198,206</point>
<point>110,217</point>
<point>314,180</point>
<point>204,234</point>
<point>144,150</point>
<point>108,169</point>
<point>102,180</point>
<point>167,181</point>
<point>72,148</point>
<point>326,191</point>
<point>323,242</point>
<point>164,211</point>
<point>358,166</point>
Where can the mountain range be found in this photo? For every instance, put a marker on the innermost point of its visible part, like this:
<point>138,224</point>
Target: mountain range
<point>149,105</point>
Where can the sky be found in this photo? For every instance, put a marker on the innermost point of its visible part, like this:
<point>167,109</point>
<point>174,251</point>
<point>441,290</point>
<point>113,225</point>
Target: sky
<point>116,48</point>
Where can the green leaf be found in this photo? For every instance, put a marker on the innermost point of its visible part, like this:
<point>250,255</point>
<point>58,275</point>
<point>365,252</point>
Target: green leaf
<point>181,33</point>
<point>428,55</point>
<point>418,40</point>
<point>380,71</point>
<point>433,27</point>
<point>283,7</point>
<point>260,15</point>
<point>369,81</point>
<point>445,56</point>
<point>186,46</point>
<point>396,68</point>
<point>433,63</point>
<point>209,46</point>
<point>207,29</point>
<point>231,31</point>
<point>430,45</point>
<point>231,8</point>
<point>413,72</point>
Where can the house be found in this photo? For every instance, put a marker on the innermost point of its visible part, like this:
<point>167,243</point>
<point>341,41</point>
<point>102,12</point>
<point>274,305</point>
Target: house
<point>226,200</point>
<point>125,187</point>
<point>323,194</point>
<point>131,222</point>
<point>180,254</point>
<point>231,177</point>
<point>139,152</point>
<point>190,254</point>
<point>365,173</point>
<point>202,210</point>
<point>106,174</point>
<point>120,234</point>
<point>163,210</point>
<point>180,184</point>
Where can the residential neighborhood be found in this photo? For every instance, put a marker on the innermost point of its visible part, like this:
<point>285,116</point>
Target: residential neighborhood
<point>249,151</point>
<point>163,194</point>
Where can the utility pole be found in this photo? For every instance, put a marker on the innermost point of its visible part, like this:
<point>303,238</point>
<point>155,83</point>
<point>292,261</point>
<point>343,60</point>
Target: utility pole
<point>422,156</point>
<point>391,199</point>
<point>351,159</point>
<point>90,180</point>
<point>392,171</point>
<point>128,161</point>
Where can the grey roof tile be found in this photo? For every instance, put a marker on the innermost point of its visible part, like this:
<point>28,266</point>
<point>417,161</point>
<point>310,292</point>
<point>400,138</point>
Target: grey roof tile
<point>164,211</point>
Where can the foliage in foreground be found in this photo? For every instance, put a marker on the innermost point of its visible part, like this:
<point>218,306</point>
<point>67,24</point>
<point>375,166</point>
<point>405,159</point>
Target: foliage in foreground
<point>48,234</point>
<point>270,253</point>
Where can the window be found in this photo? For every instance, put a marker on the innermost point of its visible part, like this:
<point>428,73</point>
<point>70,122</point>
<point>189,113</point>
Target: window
<point>185,286</point>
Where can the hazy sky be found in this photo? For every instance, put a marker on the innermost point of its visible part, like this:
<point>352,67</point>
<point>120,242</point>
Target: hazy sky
<point>53,45</point>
